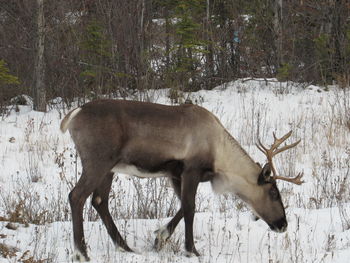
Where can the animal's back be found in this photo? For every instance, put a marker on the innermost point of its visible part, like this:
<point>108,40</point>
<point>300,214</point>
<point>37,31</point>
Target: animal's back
<point>144,128</point>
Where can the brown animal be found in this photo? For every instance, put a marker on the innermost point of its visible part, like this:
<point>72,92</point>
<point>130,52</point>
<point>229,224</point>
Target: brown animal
<point>186,143</point>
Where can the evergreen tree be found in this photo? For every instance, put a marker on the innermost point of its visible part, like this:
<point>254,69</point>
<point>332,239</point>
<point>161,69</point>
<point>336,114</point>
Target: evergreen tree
<point>189,45</point>
<point>6,78</point>
<point>96,58</point>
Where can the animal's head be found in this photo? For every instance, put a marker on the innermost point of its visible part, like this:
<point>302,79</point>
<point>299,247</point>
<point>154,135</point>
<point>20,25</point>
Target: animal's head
<point>268,205</point>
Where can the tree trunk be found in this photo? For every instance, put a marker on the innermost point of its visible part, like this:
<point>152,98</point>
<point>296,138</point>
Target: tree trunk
<point>278,18</point>
<point>167,38</point>
<point>39,91</point>
<point>209,55</point>
<point>337,36</point>
<point>142,26</point>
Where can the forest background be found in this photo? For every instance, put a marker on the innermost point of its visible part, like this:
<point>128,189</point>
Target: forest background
<point>82,49</point>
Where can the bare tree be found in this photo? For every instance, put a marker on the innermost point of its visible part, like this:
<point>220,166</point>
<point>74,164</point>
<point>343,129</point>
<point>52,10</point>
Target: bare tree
<point>209,54</point>
<point>278,25</point>
<point>39,90</point>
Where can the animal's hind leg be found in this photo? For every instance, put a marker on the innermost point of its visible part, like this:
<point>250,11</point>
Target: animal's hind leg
<point>190,181</point>
<point>77,198</point>
<point>100,203</point>
<point>165,232</point>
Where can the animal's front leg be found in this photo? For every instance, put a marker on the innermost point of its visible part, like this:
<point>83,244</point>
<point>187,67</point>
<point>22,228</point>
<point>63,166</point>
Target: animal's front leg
<point>165,232</point>
<point>190,181</point>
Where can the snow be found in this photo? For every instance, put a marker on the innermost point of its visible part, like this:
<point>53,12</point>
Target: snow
<point>39,166</point>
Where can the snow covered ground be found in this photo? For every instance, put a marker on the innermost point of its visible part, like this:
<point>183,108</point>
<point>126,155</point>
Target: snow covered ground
<point>39,166</point>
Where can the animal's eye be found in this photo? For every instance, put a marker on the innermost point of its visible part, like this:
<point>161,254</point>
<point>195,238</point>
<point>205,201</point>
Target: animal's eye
<point>274,193</point>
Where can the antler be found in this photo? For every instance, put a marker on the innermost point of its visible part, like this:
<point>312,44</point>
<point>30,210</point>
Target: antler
<point>275,150</point>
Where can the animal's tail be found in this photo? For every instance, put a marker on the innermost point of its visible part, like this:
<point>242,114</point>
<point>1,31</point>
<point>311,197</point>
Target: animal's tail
<point>68,118</point>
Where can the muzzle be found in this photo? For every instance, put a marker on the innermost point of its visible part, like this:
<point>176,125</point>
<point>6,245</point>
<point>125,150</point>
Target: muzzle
<point>279,226</point>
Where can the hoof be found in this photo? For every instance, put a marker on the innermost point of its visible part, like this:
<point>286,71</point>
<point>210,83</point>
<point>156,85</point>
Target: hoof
<point>123,247</point>
<point>162,235</point>
<point>120,249</point>
<point>78,256</point>
<point>126,249</point>
<point>193,253</point>
<point>158,244</point>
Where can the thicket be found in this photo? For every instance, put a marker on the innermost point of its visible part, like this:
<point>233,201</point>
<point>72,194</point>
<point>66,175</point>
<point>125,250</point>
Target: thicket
<point>117,47</point>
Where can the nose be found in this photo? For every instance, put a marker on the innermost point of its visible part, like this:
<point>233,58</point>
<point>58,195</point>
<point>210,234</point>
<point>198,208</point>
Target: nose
<point>279,225</point>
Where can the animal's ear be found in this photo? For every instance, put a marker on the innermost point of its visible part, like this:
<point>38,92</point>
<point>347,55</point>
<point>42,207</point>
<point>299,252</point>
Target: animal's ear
<point>265,175</point>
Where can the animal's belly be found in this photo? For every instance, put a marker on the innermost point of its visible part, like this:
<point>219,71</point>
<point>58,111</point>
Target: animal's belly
<point>135,171</point>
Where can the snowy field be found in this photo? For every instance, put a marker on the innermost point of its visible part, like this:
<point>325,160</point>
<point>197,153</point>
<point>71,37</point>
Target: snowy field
<point>39,167</point>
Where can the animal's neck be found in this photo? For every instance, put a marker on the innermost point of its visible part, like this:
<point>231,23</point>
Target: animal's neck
<point>235,167</point>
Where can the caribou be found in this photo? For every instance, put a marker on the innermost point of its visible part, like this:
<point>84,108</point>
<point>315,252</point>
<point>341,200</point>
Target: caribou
<point>185,143</point>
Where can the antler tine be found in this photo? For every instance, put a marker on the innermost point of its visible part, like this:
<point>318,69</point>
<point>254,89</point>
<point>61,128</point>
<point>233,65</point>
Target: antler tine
<point>261,147</point>
<point>287,147</point>
<point>278,142</point>
<point>270,153</point>
<point>295,180</point>
<point>286,136</point>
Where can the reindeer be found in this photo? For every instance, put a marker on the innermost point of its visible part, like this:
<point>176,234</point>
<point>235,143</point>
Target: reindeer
<point>185,143</point>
